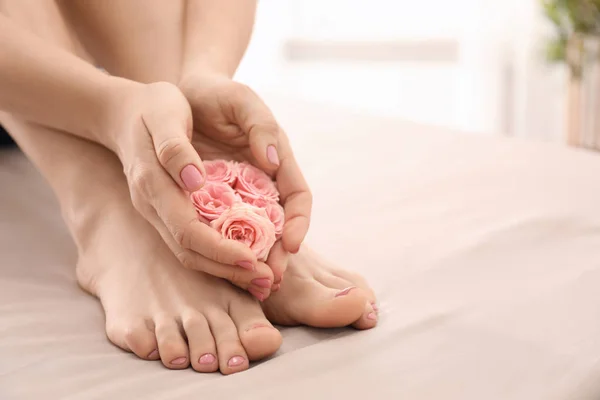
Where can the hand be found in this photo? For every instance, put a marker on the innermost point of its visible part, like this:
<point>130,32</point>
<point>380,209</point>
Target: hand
<point>232,122</point>
<point>150,130</point>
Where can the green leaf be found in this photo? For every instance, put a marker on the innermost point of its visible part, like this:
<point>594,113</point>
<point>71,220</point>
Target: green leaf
<point>556,51</point>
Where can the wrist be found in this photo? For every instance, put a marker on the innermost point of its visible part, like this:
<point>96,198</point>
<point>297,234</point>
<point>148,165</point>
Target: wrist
<point>205,66</point>
<point>118,97</point>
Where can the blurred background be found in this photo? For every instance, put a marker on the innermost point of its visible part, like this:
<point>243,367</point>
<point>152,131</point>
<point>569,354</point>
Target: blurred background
<point>473,65</point>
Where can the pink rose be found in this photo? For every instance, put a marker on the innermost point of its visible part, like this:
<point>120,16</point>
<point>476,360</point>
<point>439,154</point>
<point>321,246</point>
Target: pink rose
<point>253,183</point>
<point>213,199</point>
<point>249,225</point>
<point>220,171</point>
<point>274,212</point>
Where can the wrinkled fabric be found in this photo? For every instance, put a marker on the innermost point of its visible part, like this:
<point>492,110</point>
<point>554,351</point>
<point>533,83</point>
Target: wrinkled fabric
<point>484,254</point>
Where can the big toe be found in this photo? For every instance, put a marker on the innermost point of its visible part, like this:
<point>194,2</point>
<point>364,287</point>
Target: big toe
<point>323,307</point>
<point>259,338</point>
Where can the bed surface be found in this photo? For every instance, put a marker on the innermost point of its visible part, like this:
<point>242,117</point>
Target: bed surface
<point>484,253</point>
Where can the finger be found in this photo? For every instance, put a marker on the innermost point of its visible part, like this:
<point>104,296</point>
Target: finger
<point>171,132</point>
<point>174,208</point>
<point>277,261</point>
<point>295,197</point>
<point>256,120</point>
<point>240,277</point>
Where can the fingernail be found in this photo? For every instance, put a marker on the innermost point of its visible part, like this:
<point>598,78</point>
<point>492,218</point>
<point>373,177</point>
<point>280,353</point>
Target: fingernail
<point>257,294</point>
<point>375,307</point>
<point>207,359</point>
<point>276,287</point>
<point>372,316</point>
<point>345,291</point>
<point>179,361</point>
<point>264,283</point>
<point>246,265</point>
<point>191,177</point>
<point>272,155</point>
<point>235,361</point>
<point>153,354</point>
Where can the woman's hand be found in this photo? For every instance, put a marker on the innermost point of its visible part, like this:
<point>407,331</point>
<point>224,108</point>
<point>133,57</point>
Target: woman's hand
<point>150,129</point>
<point>232,122</point>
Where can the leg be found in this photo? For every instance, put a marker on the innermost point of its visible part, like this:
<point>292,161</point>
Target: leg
<point>154,308</point>
<point>310,294</point>
<point>223,327</point>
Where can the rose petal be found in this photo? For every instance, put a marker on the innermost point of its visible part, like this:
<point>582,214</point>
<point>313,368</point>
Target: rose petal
<point>247,224</point>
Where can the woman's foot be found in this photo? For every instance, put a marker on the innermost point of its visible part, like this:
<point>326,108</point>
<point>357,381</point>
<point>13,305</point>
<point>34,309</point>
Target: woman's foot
<point>315,293</point>
<point>157,309</point>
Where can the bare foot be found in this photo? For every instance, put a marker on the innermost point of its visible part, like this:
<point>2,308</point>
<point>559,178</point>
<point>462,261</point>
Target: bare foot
<point>315,293</point>
<point>159,310</point>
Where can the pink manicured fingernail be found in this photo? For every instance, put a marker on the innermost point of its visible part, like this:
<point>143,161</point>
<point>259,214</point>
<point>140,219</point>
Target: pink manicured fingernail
<point>207,359</point>
<point>153,354</point>
<point>262,282</point>
<point>257,294</point>
<point>236,361</point>
<point>191,177</point>
<point>372,316</point>
<point>345,291</point>
<point>246,265</point>
<point>272,155</point>
<point>179,361</point>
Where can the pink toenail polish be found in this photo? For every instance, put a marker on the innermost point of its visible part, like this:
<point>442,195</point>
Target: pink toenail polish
<point>179,361</point>
<point>153,354</point>
<point>236,361</point>
<point>207,359</point>
<point>264,283</point>
<point>257,294</point>
<point>246,265</point>
<point>375,307</point>
<point>345,291</point>
<point>372,316</point>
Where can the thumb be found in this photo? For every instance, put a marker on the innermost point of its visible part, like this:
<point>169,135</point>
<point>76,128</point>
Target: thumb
<point>257,121</point>
<point>171,133</point>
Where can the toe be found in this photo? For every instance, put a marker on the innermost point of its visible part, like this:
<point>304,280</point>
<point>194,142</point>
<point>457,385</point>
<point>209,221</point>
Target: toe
<point>231,354</point>
<point>171,345</point>
<point>203,351</point>
<point>259,338</point>
<point>355,278</point>
<point>368,319</point>
<point>133,335</point>
<point>324,307</point>
<point>141,340</point>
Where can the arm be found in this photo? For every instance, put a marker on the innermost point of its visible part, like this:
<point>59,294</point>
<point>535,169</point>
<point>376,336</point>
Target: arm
<point>50,86</point>
<point>217,33</point>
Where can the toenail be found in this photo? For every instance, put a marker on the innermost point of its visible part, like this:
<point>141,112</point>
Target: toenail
<point>259,326</point>
<point>236,361</point>
<point>246,265</point>
<point>275,287</point>
<point>179,361</point>
<point>375,307</point>
<point>345,291</point>
<point>153,354</point>
<point>207,359</point>
<point>264,283</point>
<point>256,293</point>
<point>372,316</point>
